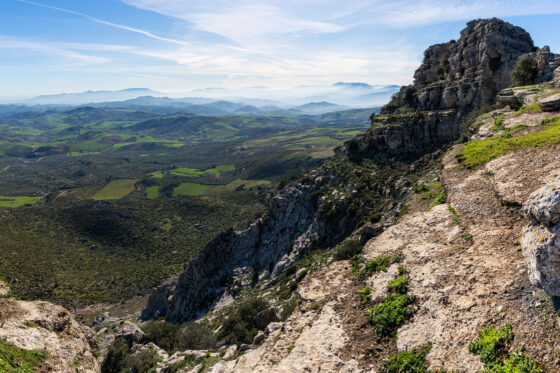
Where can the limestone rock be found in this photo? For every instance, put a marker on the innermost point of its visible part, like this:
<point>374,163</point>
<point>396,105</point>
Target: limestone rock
<point>543,205</point>
<point>265,317</point>
<point>508,98</point>
<point>46,327</point>
<point>259,338</point>
<point>551,103</point>
<point>230,352</point>
<point>131,333</point>
<point>4,289</point>
<point>541,248</point>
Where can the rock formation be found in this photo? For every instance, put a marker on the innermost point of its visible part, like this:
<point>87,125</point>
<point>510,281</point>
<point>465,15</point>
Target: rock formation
<point>46,327</point>
<point>541,239</point>
<point>454,78</point>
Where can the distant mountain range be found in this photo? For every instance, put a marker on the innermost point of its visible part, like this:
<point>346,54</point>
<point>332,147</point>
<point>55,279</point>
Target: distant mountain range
<point>306,100</point>
<point>91,97</point>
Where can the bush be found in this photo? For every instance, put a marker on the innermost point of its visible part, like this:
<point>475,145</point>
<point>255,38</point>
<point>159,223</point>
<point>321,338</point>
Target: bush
<point>398,285</point>
<point>491,343</point>
<point>390,314</point>
<point>409,361</point>
<point>348,249</point>
<point>116,356</point>
<point>524,72</point>
<point>171,337</point>
<point>492,348</point>
<point>240,327</point>
<point>143,362</point>
<point>365,293</point>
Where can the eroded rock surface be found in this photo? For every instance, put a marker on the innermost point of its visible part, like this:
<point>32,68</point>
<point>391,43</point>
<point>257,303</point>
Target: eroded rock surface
<point>541,238</point>
<point>46,327</point>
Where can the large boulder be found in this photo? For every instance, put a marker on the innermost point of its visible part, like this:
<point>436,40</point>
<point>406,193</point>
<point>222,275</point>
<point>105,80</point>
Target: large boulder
<point>543,205</point>
<point>551,103</point>
<point>265,317</point>
<point>541,238</point>
<point>131,333</point>
<point>541,248</point>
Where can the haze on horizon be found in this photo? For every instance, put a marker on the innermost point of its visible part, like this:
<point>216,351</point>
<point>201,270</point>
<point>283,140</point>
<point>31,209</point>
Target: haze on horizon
<point>175,46</point>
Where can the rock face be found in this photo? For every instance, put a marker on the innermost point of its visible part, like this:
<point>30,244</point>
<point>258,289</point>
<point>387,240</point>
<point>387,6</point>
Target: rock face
<point>454,78</point>
<point>468,73</point>
<point>235,259</point>
<point>46,327</point>
<point>541,239</point>
<point>547,63</point>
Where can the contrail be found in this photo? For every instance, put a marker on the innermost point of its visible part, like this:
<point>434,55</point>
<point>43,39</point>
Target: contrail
<point>107,23</point>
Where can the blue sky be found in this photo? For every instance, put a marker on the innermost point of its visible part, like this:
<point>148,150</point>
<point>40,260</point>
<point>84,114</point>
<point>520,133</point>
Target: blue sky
<point>50,46</point>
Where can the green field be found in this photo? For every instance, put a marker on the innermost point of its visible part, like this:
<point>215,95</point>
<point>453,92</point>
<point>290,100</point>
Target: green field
<point>190,189</point>
<point>17,201</point>
<point>194,189</point>
<point>116,189</point>
<point>195,172</point>
<point>152,191</point>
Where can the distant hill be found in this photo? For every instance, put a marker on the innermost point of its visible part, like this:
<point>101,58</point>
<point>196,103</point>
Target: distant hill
<point>316,108</point>
<point>92,97</point>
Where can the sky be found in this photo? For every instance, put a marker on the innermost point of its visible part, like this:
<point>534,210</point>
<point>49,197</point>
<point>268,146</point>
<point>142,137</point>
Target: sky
<point>53,46</point>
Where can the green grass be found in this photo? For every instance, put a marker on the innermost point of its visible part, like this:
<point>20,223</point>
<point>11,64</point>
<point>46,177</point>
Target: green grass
<point>157,175</point>
<point>456,217</point>
<point>116,189</point>
<point>152,192</point>
<point>6,201</point>
<point>534,108</point>
<point>19,360</point>
<point>479,152</point>
<point>190,189</point>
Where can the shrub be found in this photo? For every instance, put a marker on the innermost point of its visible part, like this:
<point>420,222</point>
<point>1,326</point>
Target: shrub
<point>390,314</point>
<point>143,362</point>
<point>409,361</point>
<point>240,326</point>
<point>440,200</point>
<point>348,249</point>
<point>492,348</point>
<point>398,285</point>
<point>171,337</point>
<point>114,362</point>
<point>420,188</point>
<point>491,343</point>
<point>524,72</point>
<point>365,293</point>
<point>456,217</point>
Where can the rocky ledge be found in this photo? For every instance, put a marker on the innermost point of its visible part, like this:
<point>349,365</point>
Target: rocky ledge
<point>59,342</point>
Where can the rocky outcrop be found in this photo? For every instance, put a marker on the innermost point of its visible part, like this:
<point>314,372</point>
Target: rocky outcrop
<point>546,63</point>
<point>46,327</point>
<point>454,78</point>
<point>468,73</point>
<point>551,103</point>
<point>541,238</point>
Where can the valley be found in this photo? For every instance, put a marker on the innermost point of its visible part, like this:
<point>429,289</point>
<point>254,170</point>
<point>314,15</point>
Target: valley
<point>112,202</point>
